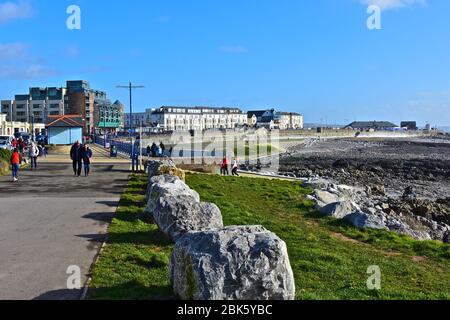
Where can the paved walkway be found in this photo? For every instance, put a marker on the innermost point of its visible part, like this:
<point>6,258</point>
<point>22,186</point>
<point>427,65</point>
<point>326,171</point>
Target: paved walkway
<point>101,155</point>
<point>51,220</point>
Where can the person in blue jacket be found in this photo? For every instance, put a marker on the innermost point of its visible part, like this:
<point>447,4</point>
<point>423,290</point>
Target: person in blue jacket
<point>86,155</point>
<point>135,160</point>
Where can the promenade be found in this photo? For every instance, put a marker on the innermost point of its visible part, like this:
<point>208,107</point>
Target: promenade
<point>51,220</point>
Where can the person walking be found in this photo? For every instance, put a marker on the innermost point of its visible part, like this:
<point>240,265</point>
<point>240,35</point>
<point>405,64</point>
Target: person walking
<point>135,160</point>
<point>33,153</point>
<point>86,156</point>
<point>224,167</point>
<point>154,150</point>
<point>163,149</point>
<point>76,156</point>
<point>149,150</point>
<point>15,163</point>
<point>234,170</point>
<point>14,143</point>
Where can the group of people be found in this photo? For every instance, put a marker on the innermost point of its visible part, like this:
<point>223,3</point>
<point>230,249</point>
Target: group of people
<point>81,156</point>
<point>224,168</point>
<point>156,151</point>
<point>17,157</point>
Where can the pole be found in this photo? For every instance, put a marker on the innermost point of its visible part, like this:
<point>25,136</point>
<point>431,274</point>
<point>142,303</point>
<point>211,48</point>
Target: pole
<point>104,126</point>
<point>130,87</point>
<point>131,107</point>
<point>140,147</point>
<point>32,128</point>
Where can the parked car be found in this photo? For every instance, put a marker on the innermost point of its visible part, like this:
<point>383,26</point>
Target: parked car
<point>6,142</point>
<point>24,135</point>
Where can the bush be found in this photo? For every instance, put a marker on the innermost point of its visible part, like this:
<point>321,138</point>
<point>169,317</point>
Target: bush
<point>4,167</point>
<point>5,155</point>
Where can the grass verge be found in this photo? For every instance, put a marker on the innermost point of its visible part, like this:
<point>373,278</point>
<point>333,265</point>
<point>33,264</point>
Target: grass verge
<point>134,263</point>
<point>329,259</point>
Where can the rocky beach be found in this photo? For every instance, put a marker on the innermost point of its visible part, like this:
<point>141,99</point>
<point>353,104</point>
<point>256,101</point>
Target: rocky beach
<point>402,185</point>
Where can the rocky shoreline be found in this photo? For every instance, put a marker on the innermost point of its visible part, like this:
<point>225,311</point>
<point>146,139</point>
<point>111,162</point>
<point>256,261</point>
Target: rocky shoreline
<point>402,185</point>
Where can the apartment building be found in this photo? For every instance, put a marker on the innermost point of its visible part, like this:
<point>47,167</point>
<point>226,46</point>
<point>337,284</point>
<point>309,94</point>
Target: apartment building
<point>77,98</point>
<point>289,121</point>
<point>172,118</point>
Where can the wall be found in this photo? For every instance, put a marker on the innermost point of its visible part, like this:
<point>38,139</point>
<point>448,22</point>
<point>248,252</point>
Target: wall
<point>64,135</point>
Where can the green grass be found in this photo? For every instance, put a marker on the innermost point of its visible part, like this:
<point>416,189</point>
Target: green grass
<point>134,264</point>
<point>329,259</point>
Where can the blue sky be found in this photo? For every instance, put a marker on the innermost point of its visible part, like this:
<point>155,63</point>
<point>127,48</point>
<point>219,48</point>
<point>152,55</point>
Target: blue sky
<point>313,57</point>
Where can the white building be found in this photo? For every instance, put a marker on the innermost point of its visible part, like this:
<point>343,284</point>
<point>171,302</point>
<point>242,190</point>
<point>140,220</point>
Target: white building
<point>271,119</point>
<point>9,128</point>
<point>289,121</point>
<point>197,118</point>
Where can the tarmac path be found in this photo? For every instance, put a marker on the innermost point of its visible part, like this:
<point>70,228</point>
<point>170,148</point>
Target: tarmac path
<point>51,220</point>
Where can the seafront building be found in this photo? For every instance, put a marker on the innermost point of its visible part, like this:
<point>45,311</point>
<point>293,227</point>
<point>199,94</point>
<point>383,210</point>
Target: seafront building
<point>77,98</point>
<point>176,118</point>
<point>372,126</point>
<point>271,119</point>
<point>8,128</point>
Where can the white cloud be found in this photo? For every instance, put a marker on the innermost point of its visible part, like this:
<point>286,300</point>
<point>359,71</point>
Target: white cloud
<point>26,72</point>
<point>233,49</point>
<point>10,11</point>
<point>13,51</point>
<point>394,4</point>
<point>16,62</point>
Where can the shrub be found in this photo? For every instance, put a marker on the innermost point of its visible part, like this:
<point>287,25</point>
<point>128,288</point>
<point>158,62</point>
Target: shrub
<point>4,167</point>
<point>5,155</point>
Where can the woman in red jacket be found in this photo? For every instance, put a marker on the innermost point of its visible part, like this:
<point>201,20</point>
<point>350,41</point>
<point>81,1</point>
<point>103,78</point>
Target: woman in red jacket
<point>224,167</point>
<point>15,162</point>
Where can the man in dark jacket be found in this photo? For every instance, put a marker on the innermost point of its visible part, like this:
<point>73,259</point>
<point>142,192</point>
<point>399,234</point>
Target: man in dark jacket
<point>77,157</point>
<point>154,150</point>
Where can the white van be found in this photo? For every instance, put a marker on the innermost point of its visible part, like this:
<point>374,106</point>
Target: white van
<point>6,142</point>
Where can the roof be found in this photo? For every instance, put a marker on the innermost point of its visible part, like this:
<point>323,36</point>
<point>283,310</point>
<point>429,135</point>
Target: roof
<point>258,113</point>
<point>372,124</point>
<point>203,110</point>
<point>65,121</point>
<point>266,119</point>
